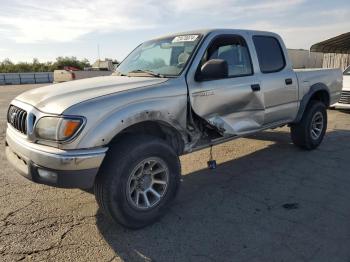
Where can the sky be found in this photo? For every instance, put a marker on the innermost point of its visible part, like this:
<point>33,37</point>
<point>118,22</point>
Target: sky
<point>46,29</point>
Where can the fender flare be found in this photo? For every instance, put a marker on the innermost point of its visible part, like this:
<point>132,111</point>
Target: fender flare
<point>307,97</point>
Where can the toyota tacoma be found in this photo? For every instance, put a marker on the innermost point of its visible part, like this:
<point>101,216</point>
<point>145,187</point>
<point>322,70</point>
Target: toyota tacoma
<point>122,135</point>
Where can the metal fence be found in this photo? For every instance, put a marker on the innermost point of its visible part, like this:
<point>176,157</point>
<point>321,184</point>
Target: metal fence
<point>25,78</point>
<point>332,60</point>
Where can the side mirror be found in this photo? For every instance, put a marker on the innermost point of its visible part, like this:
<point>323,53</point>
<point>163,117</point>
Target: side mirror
<point>214,69</point>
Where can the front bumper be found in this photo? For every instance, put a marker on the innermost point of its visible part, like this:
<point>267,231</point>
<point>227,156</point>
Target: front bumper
<point>53,166</point>
<point>341,106</point>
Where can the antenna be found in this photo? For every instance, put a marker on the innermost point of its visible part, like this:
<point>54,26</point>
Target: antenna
<point>98,52</point>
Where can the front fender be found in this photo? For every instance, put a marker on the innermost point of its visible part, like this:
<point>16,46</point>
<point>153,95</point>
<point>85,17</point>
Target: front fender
<point>108,115</point>
<point>106,128</point>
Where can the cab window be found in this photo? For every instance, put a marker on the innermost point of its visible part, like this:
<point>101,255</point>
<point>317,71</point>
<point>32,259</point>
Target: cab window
<point>270,54</point>
<point>234,50</point>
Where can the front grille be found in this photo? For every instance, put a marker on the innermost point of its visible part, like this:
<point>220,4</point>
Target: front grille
<point>345,97</point>
<point>17,117</point>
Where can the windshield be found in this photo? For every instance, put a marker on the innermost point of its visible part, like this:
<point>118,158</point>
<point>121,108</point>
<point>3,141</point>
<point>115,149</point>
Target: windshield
<point>347,71</point>
<point>160,57</point>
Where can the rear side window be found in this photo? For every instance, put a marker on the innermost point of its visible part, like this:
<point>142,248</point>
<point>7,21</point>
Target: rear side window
<point>270,54</point>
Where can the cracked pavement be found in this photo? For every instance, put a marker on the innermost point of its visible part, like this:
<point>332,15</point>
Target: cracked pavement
<point>266,201</point>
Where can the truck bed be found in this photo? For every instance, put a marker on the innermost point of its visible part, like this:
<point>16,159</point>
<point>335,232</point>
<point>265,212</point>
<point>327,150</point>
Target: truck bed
<point>332,78</point>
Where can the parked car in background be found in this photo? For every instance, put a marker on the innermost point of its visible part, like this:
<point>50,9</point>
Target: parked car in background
<point>60,76</point>
<point>123,134</point>
<point>344,102</point>
<point>99,68</point>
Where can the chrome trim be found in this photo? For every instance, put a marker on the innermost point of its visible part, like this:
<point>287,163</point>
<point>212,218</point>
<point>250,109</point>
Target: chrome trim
<point>345,97</point>
<point>55,158</point>
<point>17,117</point>
<point>34,113</point>
<point>31,113</point>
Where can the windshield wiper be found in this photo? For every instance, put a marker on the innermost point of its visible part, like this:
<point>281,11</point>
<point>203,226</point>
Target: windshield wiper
<point>117,73</point>
<point>147,72</point>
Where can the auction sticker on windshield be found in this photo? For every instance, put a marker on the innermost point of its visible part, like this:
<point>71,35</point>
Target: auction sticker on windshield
<point>185,38</point>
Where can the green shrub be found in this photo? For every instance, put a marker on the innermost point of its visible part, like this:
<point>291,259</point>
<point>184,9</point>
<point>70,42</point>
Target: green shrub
<point>6,66</point>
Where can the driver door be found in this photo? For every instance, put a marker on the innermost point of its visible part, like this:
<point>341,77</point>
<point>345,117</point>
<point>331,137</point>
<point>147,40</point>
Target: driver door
<point>233,104</point>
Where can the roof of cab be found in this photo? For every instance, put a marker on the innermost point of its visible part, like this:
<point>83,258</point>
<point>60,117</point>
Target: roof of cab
<point>218,30</point>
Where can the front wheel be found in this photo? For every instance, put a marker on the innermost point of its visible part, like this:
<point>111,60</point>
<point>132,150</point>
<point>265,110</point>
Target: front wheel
<point>138,180</point>
<point>309,132</point>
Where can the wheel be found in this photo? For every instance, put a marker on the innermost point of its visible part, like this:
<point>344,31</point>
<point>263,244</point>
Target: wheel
<point>309,132</point>
<point>139,178</point>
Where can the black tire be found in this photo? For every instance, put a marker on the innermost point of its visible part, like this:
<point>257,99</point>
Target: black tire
<point>301,132</point>
<point>111,184</point>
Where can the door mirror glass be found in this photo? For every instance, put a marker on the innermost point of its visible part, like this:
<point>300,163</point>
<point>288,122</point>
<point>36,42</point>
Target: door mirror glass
<point>214,69</point>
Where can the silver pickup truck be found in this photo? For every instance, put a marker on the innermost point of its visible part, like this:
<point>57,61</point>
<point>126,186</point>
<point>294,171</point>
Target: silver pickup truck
<point>123,134</point>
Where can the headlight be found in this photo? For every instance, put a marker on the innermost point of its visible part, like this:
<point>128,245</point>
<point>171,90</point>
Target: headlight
<point>58,128</point>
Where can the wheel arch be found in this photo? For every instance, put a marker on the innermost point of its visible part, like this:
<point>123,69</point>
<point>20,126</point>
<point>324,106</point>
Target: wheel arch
<point>318,92</point>
<point>155,128</point>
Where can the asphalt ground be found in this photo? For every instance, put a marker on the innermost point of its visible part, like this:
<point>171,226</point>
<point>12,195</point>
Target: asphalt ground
<point>266,201</point>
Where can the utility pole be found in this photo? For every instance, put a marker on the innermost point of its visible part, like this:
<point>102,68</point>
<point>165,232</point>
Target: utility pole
<point>98,51</point>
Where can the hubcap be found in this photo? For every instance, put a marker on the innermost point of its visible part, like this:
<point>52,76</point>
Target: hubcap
<point>147,183</point>
<point>316,125</point>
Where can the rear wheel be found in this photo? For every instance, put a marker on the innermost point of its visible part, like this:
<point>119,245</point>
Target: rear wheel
<point>309,132</point>
<point>138,180</point>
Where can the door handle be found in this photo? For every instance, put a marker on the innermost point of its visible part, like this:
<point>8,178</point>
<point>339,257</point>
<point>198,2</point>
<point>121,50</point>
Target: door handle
<point>255,87</point>
<point>288,81</point>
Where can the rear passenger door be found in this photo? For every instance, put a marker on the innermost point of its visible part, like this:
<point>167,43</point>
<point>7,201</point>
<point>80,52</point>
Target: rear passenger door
<point>278,81</point>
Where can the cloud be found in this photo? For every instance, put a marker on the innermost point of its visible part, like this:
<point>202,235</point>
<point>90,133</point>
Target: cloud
<point>309,28</point>
<point>60,21</point>
<point>301,22</point>
<point>232,7</point>
<point>305,36</point>
<point>34,21</point>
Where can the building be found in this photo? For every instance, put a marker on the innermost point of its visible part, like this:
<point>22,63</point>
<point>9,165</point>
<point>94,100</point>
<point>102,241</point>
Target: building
<point>104,65</point>
<point>302,58</point>
<point>336,51</point>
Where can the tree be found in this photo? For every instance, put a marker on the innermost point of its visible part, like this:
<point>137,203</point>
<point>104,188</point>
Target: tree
<point>6,66</point>
<point>61,62</point>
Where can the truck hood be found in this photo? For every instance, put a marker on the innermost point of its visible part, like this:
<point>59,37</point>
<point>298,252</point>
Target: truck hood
<point>58,97</point>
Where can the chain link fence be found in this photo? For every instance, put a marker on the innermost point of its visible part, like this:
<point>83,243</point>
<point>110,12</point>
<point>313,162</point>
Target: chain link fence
<point>25,78</point>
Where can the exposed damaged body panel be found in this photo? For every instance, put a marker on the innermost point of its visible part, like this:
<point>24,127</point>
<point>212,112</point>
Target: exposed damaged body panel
<point>254,95</point>
<point>231,106</point>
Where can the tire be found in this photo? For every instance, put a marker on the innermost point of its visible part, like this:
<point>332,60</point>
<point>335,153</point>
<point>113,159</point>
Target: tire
<point>120,175</point>
<point>306,135</point>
